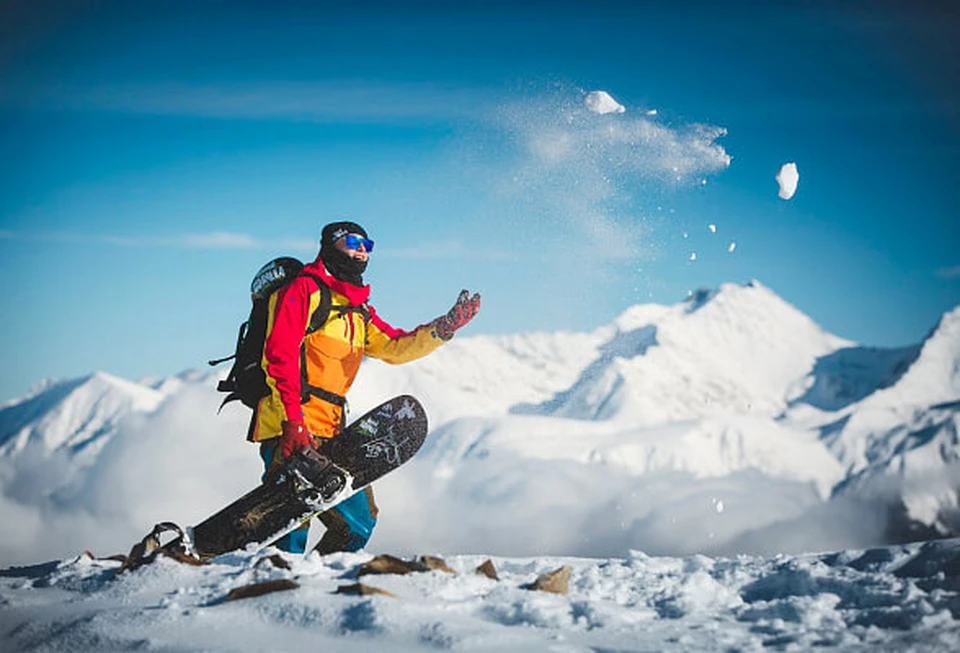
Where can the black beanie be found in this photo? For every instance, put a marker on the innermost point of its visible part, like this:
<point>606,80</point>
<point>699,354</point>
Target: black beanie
<point>337,230</point>
<point>337,263</point>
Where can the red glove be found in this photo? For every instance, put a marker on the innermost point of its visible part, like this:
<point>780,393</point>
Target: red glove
<point>295,437</point>
<point>458,316</point>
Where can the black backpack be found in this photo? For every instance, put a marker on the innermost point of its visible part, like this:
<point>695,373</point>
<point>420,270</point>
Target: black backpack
<point>246,380</point>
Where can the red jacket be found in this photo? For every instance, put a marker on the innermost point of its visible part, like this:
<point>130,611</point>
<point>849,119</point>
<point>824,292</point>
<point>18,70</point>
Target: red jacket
<point>328,358</point>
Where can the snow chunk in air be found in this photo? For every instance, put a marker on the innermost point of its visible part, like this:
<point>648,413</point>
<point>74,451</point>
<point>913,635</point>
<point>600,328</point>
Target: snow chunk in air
<point>602,102</point>
<point>787,178</point>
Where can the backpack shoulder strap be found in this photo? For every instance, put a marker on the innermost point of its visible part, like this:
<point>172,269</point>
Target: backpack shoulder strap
<point>320,315</point>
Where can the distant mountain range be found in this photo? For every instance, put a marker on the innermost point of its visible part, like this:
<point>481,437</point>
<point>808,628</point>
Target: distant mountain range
<point>714,400</point>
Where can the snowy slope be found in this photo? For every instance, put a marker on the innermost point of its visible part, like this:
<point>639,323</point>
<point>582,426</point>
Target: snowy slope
<point>900,440</point>
<point>735,350</point>
<point>917,461</point>
<point>75,417</point>
<point>887,599</point>
<point>675,429</point>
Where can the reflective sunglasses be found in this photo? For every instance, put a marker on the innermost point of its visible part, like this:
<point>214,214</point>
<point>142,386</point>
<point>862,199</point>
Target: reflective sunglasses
<point>353,241</point>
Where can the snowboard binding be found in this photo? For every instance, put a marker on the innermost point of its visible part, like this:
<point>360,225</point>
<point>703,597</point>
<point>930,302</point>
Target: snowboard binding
<point>315,477</point>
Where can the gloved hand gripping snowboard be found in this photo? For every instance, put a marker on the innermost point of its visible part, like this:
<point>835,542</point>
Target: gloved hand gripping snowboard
<point>295,437</point>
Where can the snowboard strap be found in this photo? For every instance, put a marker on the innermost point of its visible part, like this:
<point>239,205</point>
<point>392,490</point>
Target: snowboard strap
<point>180,548</point>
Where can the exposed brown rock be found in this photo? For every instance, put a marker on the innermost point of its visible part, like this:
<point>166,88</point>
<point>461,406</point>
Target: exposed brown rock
<point>556,581</point>
<point>487,569</point>
<point>435,563</point>
<point>259,589</point>
<point>359,589</point>
<point>388,564</point>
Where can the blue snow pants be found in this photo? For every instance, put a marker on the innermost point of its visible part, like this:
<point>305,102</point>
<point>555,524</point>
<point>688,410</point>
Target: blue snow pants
<point>349,523</point>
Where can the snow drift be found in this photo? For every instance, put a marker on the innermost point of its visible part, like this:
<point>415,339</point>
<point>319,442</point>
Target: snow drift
<point>901,598</point>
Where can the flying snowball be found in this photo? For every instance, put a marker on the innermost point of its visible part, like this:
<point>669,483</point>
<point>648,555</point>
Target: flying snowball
<point>602,102</point>
<point>788,178</point>
<point>693,256</point>
<point>712,228</point>
<point>732,247</point>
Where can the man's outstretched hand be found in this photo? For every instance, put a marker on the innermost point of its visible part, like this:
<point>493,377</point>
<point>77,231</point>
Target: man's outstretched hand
<point>458,316</point>
<point>295,437</point>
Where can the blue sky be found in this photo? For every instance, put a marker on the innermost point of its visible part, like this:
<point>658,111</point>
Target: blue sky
<point>156,154</point>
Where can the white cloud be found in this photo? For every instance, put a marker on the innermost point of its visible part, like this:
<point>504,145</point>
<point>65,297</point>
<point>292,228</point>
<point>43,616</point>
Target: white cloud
<point>787,178</point>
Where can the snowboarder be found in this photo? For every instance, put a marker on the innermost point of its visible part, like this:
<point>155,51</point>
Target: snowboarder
<point>310,367</point>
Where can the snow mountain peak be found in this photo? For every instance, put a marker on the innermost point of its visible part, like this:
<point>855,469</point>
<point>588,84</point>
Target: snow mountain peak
<point>75,416</point>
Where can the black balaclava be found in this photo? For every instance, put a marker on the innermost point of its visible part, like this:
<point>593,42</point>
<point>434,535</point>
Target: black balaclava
<point>337,263</point>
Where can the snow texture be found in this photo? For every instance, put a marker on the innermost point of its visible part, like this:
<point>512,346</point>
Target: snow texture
<point>904,598</point>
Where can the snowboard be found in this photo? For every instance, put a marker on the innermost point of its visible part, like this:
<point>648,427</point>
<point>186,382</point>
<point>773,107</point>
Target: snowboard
<point>312,481</point>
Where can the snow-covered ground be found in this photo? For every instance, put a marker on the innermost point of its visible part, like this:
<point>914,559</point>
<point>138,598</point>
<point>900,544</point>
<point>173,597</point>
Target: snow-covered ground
<point>729,425</point>
<point>904,598</point>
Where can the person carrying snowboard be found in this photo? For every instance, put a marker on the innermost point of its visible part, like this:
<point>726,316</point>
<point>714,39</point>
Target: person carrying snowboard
<point>310,367</point>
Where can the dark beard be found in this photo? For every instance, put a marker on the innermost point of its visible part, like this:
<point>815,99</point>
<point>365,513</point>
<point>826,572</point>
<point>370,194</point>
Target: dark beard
<point>343,267</point>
